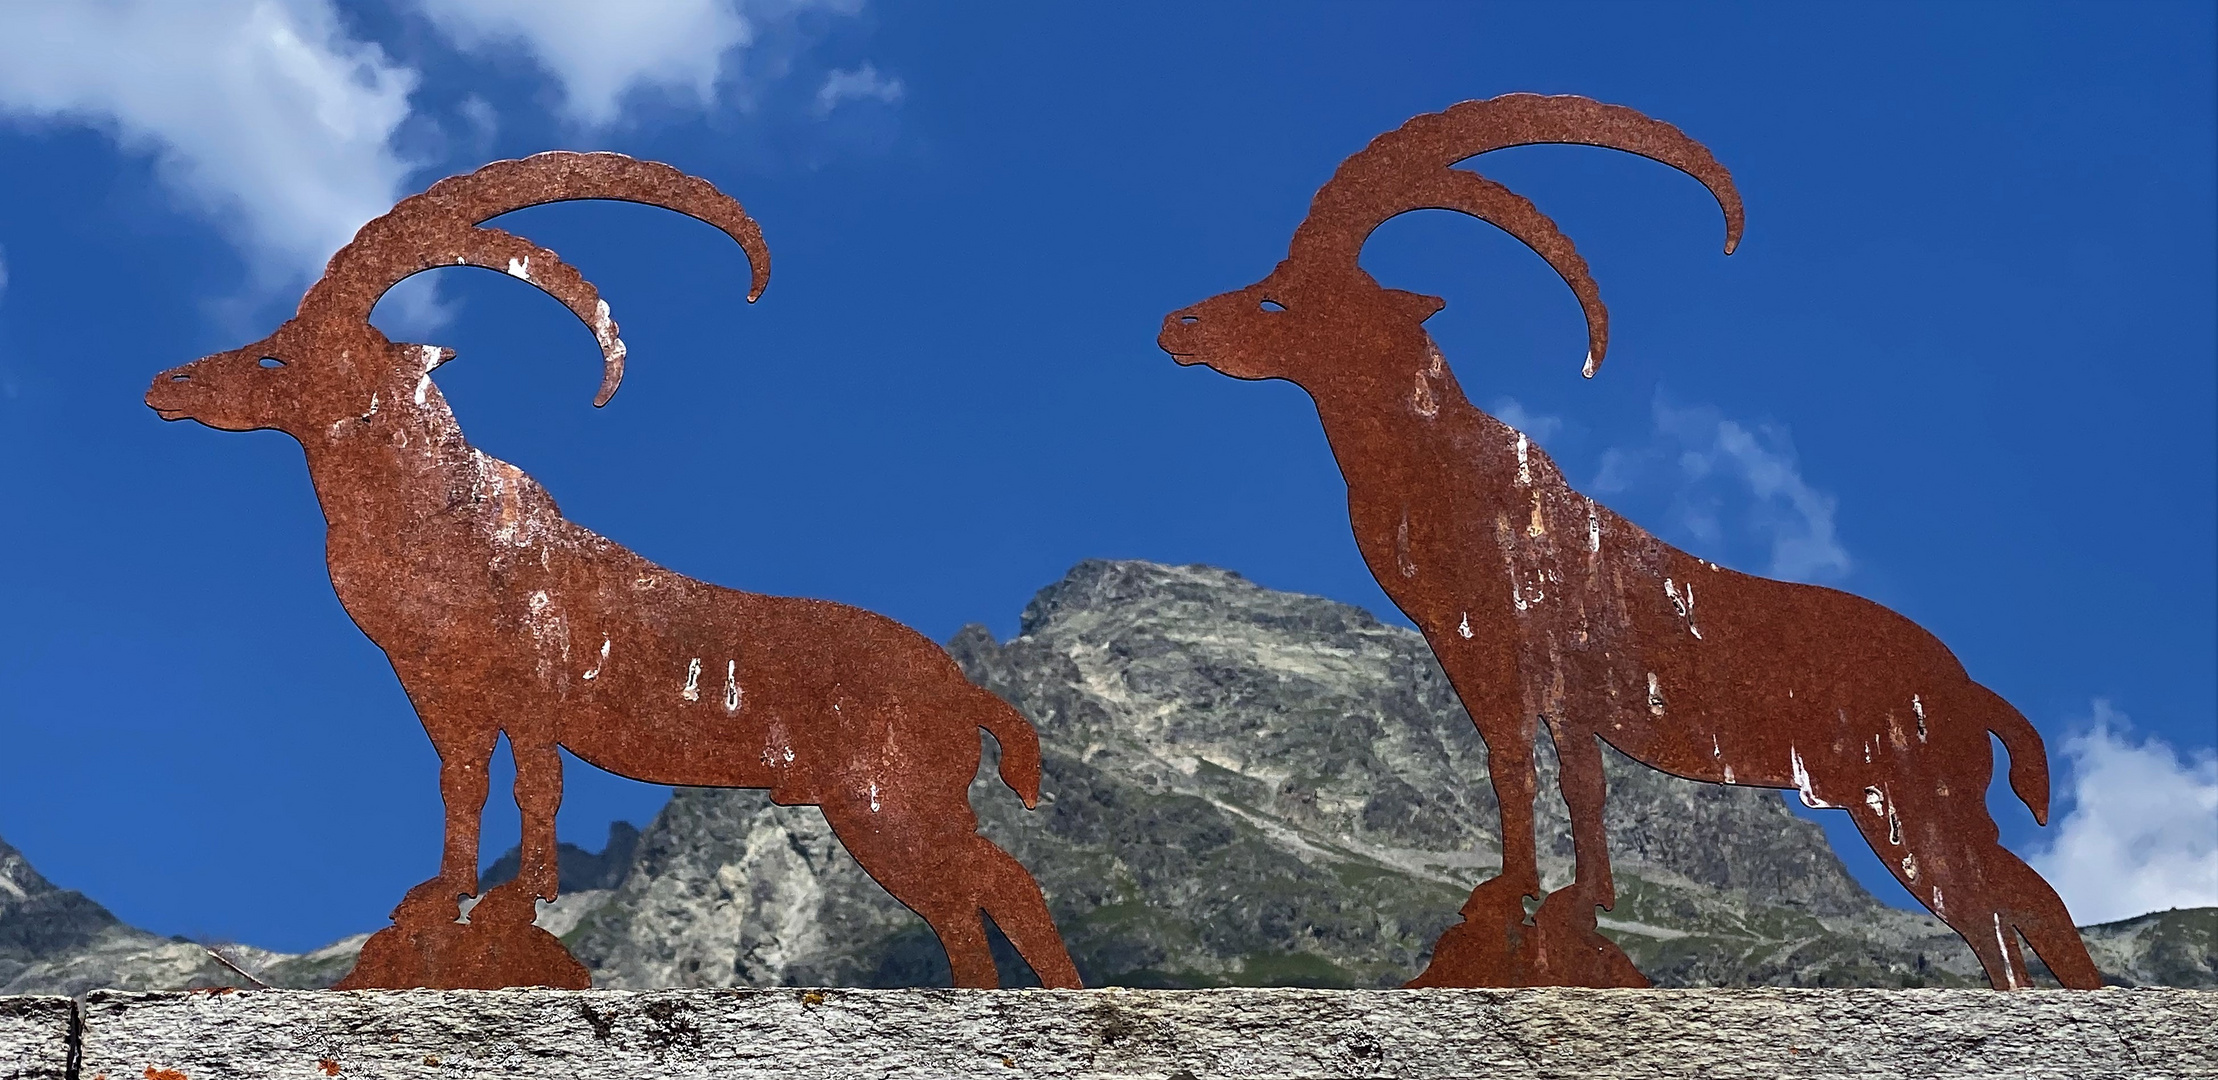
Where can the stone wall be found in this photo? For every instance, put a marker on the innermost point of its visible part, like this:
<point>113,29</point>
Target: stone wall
<point>1165,1034</point>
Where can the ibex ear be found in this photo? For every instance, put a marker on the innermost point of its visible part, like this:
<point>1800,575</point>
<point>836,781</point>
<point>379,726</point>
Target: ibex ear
<point>1419,306</point>
<point>430,356</point>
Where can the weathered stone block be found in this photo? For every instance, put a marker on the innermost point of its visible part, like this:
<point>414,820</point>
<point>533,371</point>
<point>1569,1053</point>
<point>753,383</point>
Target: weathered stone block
<point>35,1038</point>
<point>1007,1035</point>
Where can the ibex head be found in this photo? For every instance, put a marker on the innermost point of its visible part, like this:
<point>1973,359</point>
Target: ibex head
<point>327,362</point>
<point>1319,313</point>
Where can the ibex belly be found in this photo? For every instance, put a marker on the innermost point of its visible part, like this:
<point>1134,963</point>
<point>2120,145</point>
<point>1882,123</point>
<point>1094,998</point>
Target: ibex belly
<point>1743,680</point>
<point>701,709</point>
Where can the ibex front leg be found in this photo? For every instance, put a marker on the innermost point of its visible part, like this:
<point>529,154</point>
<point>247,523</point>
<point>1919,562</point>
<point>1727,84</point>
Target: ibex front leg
<point>1571,952</point>
<point>538,795</point>
<point>465,751</point>
<point>1509,749</point>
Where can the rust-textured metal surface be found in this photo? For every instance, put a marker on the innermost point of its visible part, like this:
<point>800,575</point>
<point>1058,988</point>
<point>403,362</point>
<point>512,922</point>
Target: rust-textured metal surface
<point>1546,608</point>
<point>501,617</point>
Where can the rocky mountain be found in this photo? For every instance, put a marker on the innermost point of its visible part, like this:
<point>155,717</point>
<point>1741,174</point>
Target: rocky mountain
<point>1244,786</point>
<point>1240,787</point>
<point>55,941</point>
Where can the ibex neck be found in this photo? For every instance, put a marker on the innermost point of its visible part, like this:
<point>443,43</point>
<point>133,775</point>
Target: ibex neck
<point>397,463</point>
<point>1405,417</point>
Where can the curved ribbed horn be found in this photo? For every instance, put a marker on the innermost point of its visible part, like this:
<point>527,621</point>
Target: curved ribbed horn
<point>440,227</point>
<point>1411,168</point>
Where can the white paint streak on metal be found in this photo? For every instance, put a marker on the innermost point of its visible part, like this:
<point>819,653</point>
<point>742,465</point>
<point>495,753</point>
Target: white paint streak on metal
<point>1875,800</point>
<point>1593,528</point>
<point>731,686</point>
<point>874,796</point>
<point>2009,970</point>
<point>1939,907</point>
<point>423,388</point>
<point>1655,696</point>
<point>1728,774</point>
<point>692,691</point>
<point>595,673</point>
<point>1802,782</point>
<point>1684,605</point>
<point>1910,870</point>
<point>520,268</point>
<point>604,331</point>
<point>1918,707</point>
<point>1716,751</point>
<point>1464,627</point>
<point>1422,401</point>
<point>1524,466</point>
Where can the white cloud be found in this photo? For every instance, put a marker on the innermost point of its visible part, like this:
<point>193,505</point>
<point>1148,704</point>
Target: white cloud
<point>268,118</point>
<point>262,114</point>
<point>599,51</point>
<point>483,120</point>
<point>1729,480</point>
<point>2142,832</point>
<point>857,84</point>
<point>1537,426</point>
<point>602,52</point>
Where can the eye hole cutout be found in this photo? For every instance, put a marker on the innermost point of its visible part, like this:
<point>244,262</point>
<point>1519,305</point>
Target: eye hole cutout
<point>271,362</point>
<point>1189,320</point>
<point>1271,305</point>
<point>180,378</point>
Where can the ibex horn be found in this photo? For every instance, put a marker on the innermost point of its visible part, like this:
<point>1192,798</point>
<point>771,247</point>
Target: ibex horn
<point>1411,168</point>
<point>441,227</point>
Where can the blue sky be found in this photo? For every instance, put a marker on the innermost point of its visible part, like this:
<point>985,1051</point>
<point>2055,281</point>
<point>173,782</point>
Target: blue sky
<point>1963,363</point>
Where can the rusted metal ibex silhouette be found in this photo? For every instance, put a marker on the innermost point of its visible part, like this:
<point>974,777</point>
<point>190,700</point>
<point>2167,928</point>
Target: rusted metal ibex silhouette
<point>500,616</point>
<point>1544,606</point>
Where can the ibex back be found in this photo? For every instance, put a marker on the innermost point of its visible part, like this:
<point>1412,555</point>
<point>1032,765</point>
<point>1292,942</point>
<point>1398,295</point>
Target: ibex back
<point>1546,607</point>
<point>500,616</point>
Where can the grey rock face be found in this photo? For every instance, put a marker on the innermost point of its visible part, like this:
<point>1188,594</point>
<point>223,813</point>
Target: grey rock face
<point>39,921</point>
<point>576,869</point>
<point>55,941</point>
<point>2163,948</point>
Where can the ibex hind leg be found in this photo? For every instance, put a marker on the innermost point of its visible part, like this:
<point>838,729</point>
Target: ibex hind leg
<point>1009,893</point>
<point>917,861</point>
<point>1946,873</point>
<point>2037,912</point>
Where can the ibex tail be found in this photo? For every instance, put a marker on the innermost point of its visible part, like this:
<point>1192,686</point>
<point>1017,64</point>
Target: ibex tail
<point>2029,762</point>
<point>1020,746</point>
